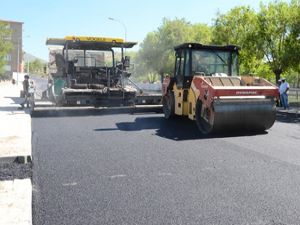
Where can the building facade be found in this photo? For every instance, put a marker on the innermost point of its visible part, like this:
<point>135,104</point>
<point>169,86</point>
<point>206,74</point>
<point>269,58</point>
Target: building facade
<point>15,57</point>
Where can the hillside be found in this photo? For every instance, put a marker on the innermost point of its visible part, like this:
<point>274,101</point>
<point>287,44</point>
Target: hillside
<point>30,58</point>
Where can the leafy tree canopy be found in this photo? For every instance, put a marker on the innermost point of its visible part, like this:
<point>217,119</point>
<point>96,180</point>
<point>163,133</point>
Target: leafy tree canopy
<point>37,67</point>
<point>269,39</point>
<point>239,26</point>
<point>278,30</point>
<point>5,44</point>
<point>157,50</point>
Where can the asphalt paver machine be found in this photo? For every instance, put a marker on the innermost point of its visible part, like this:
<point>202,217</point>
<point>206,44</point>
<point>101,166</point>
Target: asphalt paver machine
<point>206,87</point>
<point>84,71</point>
<point>91,71</point>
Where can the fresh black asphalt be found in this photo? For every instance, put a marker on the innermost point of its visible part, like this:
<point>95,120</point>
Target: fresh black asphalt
<point>142,169</point>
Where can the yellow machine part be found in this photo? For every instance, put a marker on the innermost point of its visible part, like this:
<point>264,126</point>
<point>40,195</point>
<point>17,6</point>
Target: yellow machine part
<point>94,39</point>
<point>188,107</point>
<point>192,99</point>
<point>178,96</point>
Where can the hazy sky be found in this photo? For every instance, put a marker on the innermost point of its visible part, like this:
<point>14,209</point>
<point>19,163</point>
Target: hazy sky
<point>59,18</point>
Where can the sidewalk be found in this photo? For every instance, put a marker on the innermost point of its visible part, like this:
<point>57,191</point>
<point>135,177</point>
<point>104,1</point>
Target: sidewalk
<point>15,135</point>
<point>15,145</point>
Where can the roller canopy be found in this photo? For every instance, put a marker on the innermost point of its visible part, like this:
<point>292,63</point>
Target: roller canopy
<point>198,46</point>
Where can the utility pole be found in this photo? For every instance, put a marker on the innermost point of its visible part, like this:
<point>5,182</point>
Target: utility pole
<point>119,21</point>
<point>27,66</point>
<point>122,53</point>
<point>18,59</point>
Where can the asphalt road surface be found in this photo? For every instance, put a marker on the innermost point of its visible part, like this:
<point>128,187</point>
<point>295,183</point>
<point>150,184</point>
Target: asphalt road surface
<point>142,169</point>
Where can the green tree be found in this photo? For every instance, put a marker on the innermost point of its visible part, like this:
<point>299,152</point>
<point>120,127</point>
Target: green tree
<point>170,34</point>
<point>239,26</point>
<point>36,67</point>
<point>156,53</point>
<point>269,39</point>
<point>294,47</point>
<point>147,57</point>
<point>5,45</point>
<point>278,26</point>
<point>201,33</point>
<point>152,77</point>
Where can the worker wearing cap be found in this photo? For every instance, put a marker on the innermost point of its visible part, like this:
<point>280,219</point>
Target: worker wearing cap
<point>283,90</point>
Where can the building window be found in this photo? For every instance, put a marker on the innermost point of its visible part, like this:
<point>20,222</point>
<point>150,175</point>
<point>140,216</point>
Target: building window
<point>7,68</point>
<point>8,38</point>
<point>8,57</point>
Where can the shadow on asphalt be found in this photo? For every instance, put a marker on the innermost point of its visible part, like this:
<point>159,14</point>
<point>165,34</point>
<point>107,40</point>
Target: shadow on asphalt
<point>286,117</point>
<point>91,111</point>
<point>177,129</point>
<point>8,108</point>
<point>88,111</point>
<point>17,100</point>
<point>14,109</point>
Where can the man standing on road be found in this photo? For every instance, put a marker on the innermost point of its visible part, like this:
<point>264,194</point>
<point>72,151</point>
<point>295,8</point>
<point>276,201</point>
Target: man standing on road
<point>283,90</point>
<point>25,90</point>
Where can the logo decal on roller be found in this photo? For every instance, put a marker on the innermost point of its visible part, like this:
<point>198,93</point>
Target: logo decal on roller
<point>246,92</point>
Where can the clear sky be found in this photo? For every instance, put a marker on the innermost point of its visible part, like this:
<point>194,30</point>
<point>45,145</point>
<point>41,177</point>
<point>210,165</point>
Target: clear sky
<point>59,18</point>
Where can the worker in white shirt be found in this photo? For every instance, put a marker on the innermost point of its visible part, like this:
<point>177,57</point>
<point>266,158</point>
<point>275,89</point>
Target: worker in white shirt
<point>283,90</point>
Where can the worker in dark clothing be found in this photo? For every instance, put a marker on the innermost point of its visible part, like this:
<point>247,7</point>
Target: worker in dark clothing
<point>25,90</point>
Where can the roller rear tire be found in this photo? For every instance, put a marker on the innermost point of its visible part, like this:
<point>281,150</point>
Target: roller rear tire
<point>169,105</point>
<point>203,125</point>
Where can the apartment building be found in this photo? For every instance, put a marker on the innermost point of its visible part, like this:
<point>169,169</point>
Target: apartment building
<point>15,57</point>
